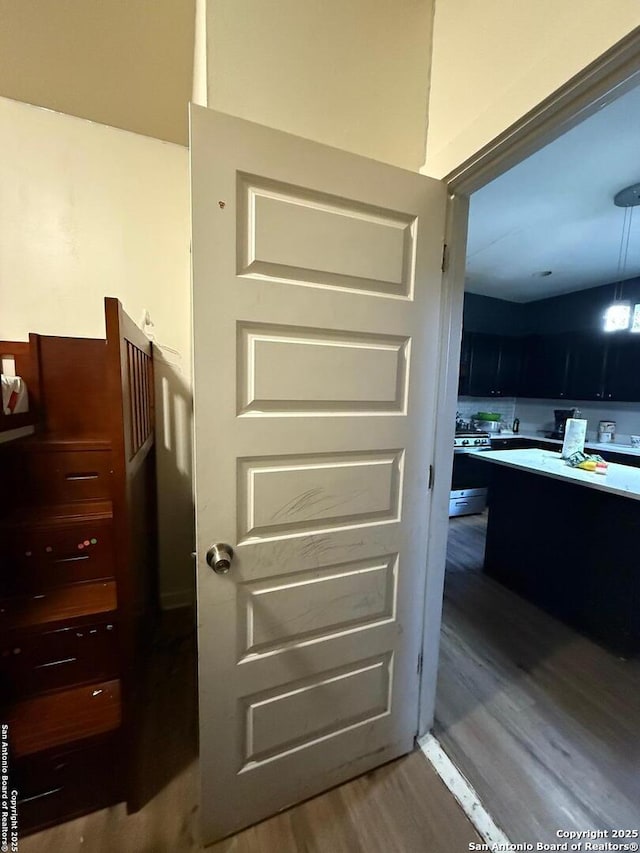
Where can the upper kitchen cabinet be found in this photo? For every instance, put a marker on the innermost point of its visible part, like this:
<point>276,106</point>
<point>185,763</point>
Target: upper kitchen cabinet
<point>509,367</point>
<point>545,372</point>
<point>484,358</point>
<point>465,362</point>
<point>587,366</point>
<point>605,367</point>
<point>582,366</point>
<point>622,371</point>
<point>492,366</point>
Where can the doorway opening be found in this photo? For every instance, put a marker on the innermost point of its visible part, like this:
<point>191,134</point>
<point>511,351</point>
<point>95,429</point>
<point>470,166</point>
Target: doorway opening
<point>539,676</point>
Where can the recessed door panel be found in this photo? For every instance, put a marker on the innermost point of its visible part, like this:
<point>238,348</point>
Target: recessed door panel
<point>283,496</point>
<point>316,709</point>
<point>289,371</point>
<point>317,239</point>
<point>307,607</point>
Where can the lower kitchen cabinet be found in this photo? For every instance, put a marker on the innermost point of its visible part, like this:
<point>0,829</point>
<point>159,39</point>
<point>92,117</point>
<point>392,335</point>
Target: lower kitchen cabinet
<point>512,443</point>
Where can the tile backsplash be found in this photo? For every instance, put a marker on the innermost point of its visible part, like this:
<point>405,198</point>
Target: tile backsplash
<point>506,406</point>
<point>537,416</point>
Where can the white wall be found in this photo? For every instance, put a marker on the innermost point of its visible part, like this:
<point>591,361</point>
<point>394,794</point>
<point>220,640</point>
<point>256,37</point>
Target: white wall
<point>494,60</point>
<point>88,211</point>
<point>125,64</point>
<point>199,82</point>
<point>350,74</point>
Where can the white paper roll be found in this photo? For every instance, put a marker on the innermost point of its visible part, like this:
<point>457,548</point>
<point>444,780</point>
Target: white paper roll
<point>575,433</point>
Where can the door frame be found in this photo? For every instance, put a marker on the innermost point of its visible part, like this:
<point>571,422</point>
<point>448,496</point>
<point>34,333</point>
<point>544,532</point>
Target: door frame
<point>612,74</point>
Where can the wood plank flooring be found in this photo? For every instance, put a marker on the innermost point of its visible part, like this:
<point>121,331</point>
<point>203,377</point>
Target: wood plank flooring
<point>544,723</point>
<point>402,807</point>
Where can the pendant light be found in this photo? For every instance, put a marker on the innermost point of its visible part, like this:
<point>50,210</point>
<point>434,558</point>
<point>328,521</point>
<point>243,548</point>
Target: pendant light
<point>617,317</point>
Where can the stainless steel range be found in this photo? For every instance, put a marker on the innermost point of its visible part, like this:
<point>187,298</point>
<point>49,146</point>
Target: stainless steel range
<point>469,479</point>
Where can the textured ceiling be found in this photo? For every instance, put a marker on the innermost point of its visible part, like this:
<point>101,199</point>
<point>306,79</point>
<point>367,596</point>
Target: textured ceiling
<point>125,63</point>
<point>555,211</point>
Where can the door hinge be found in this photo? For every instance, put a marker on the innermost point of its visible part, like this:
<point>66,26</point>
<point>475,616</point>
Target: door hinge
<point>430,486</point>
<point>445,257</point>
<point>420,664</point>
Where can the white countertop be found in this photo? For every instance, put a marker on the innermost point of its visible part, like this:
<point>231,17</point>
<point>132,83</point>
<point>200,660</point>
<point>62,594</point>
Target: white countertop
<point>595,446</point>
<point>619,480</point>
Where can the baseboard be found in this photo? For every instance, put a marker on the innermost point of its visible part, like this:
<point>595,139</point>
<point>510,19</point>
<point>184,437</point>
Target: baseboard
<point>177,598</point>
<point>464,793</point>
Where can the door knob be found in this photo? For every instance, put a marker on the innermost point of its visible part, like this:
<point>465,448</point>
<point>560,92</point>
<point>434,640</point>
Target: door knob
<point>219,557</point>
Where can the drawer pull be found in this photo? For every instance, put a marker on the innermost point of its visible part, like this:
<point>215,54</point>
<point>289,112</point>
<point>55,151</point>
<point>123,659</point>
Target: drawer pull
<point>39,796</point>
<point>71,559</point>
<point>89,475</point>
<point>56,663</point>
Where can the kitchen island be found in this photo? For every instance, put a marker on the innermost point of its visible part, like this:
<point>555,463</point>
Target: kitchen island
<point>568,540</point>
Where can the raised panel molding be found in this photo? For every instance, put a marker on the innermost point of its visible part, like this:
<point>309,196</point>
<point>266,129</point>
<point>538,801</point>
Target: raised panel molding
<point>300,714</point>
<point>291,370</point>
<point>284,496</point>
<point>298,236</point>
<point>301,608</point>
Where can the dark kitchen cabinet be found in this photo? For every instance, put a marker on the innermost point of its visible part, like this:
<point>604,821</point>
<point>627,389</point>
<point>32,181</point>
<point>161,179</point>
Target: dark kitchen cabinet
<point>509,367</point>
<point>622,370</point>
<point>465,360</point>
<point>492,367</point>
<point>582,366</point>
<point>484,359</point>
<point>545,373</point>
<point>587,366</point>
<point>627,459</point>
<point>572,366</point>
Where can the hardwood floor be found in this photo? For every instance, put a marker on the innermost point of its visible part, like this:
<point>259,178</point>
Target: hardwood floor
<point>544,723</point>
<point>402,807</point>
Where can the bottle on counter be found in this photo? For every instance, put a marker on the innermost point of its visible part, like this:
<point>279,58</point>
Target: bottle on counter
<point>516,426</point>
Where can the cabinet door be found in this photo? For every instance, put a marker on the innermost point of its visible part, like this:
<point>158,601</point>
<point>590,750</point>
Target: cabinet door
<point>588,361</point>
<point>622,380</point>
<point>509,367</point>
<point>546,367</point>
<point>465,363</point>
<point>483,365</point>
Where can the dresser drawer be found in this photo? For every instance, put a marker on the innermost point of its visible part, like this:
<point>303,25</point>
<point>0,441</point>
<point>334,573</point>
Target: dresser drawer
<point>63,477</point>
<point>40,660</point>
<point>43,557</point>
<point>66,782</point>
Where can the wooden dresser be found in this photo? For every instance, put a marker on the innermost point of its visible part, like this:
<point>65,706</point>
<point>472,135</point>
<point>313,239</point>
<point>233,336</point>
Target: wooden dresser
<point>77,571</point>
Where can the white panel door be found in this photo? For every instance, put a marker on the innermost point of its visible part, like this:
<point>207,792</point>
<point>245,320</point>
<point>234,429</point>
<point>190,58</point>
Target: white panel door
<point>316,297</point>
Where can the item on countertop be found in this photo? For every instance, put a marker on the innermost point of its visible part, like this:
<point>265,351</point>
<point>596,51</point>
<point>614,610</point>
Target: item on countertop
<point>491,426</point>
<point>588,462</point>
<point>516,426</point>
<point>606,432</point>
<point>635,440</point>
<point>561,417</point>
<point>488,416</point>
<point>575,433</point>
